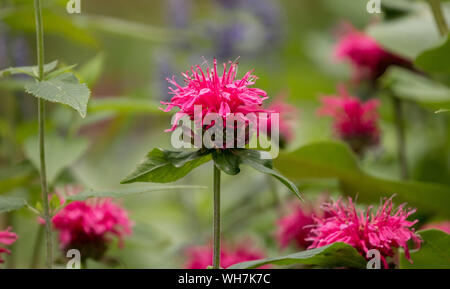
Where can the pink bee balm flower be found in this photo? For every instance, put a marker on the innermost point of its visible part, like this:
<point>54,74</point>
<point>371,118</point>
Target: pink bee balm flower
<point>287,120</point>
<point>222,94</point>
<point>296,225</point>
<point>443,226</point>
<point>367,57</point>
<point>6,238</point>
<point>90,225</point>
<point>383,231</point>
<point>200,257</point>
<point>355,121</point>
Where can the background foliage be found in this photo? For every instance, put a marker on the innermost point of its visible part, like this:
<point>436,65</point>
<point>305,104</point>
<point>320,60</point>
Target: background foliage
<point>125,49</point>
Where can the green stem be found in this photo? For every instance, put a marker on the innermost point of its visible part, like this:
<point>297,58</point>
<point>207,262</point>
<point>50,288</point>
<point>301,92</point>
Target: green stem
<point>401,142</point>
<point>216,252</point>
<point>37,247</point>
<point>41,121</point>
<point>439,17</point>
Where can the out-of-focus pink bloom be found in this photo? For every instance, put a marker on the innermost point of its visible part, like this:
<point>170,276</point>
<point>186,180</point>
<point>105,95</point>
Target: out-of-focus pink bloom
<point>383,231</point>
<point>443,226</point>
<point>367,57</point>
<point>62,193</point>
<point>200,257</point>
<point>91,225</point>
<point>6,238</point>
<point>296,225</point>
<point>288,118</point>
<point>221,94</point>
<point>355,121</point>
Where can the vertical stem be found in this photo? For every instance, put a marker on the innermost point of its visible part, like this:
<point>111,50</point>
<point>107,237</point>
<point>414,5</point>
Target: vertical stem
<point>41,121</point>
<point>439,17</point>
<point>401,143</point>
<point>216,252</point>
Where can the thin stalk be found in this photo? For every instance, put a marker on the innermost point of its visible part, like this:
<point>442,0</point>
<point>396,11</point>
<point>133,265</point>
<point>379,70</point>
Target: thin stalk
<point>41,122</point>
<point>439,17</point>
<point>216,252</point>
<point>37,247</point>
<point>401,142</point>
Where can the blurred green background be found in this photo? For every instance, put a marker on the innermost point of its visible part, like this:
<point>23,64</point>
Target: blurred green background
<point>126,49</point>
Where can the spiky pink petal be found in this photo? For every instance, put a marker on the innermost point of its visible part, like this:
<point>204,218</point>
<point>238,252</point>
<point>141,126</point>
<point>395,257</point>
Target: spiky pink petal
<point>384,231</point>
<point>222,94</point>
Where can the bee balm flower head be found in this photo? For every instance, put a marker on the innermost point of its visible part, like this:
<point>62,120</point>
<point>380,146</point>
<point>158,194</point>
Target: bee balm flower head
<point>367,57</point>
<point>6,238</point>
<point>90,226</point>
<point>295,226</point>
<point>384,230</point>
<point>223,94</point>
<point>355,121</point>
<point>200,257</point>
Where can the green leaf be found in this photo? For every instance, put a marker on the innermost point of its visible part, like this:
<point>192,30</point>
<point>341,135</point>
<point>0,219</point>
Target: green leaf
<point>32,71</point>
<point>8,204</point>
<point>59,71</point>
<point>330,256</point>
<point>433,254</point>
<point>227,161</point>
<point>124,105</point>
<point>127,29</point>
<point>436,61</point>
<point>334,160</point>
<point>128,192</point>
<point>64,89</point>
<point>15,176</point>
<point>90,72</point>
<point>414,87</point>
<point>161,166</point>
<point>408,36</point>
<point>55,202</point>
<point>21,18</point>
<point>262,162</point>
<point>60,153</point>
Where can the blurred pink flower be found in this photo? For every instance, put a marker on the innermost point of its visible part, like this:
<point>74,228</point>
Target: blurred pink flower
<point>367,57</point>
<point>288,118</point>
<point>90,225</point>
<point>6,238</point>
<point>384,231</point>
<point>355,121</point>
<point>443,226</point>
<point>200,257</point>
<point>295,226</point>
<point>222,94</point>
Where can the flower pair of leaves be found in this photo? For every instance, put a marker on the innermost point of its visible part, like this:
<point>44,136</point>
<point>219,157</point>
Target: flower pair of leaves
<point>163,166</point>
<point>58,85</point>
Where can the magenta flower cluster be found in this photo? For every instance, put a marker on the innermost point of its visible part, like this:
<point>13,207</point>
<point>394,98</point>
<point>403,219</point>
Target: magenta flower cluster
<point>355,121</point>
<point>91,225</point>
<point>200,257</point>
<point>369,60</point>
<point>6,238</point>
<point>385,230</point>
<point>222,94</point>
